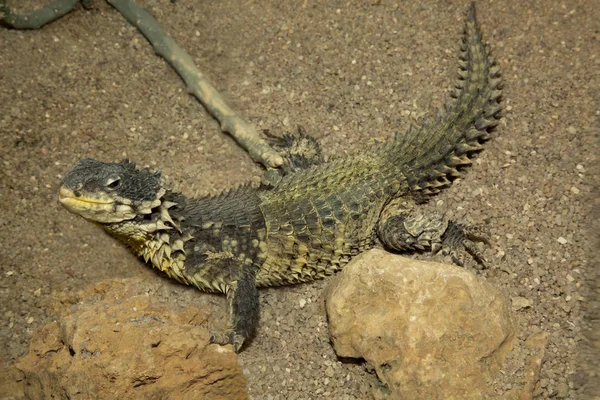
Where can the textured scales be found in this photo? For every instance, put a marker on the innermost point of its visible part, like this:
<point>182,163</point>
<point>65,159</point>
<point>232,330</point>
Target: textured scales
<point>319,218</point>
<point>313,220</point>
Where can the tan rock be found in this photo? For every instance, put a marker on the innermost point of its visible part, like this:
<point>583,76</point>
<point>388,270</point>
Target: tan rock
<point>116,343</point>
<point>11,383</point>
<point>429,330</point>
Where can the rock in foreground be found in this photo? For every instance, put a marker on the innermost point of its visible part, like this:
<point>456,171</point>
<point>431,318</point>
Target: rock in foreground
<point>115,343</point>
<point>429,330</point>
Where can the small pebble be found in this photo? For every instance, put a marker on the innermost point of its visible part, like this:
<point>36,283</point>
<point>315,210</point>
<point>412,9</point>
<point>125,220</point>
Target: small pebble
<point>562,390</point>
<point>329,372</point>
<point>519,302</point>
<point>562,240</point>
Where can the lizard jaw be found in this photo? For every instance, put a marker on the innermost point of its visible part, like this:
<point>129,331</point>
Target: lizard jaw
<point>95,208</point>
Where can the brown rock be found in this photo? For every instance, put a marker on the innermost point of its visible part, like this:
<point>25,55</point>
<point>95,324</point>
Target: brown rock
<point>117,343</point>
<point>11,383</point>
<point>429,330</point>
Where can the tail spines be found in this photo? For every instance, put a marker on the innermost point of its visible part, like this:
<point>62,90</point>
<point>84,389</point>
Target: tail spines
<point>433,155</point>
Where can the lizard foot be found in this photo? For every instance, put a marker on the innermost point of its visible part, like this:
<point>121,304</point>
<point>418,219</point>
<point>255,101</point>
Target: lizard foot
<point>460,239</point>
<point>227,337</point>
<point>298,149</point>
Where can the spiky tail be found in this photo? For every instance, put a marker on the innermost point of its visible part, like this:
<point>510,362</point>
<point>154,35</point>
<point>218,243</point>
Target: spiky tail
<point>433,155</point>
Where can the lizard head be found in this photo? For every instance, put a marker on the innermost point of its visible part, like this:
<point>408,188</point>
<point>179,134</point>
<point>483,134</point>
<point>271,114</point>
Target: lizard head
<point>110,192</point>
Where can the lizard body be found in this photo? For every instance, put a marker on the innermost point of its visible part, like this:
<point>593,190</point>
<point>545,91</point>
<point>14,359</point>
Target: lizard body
<point>312,221</point>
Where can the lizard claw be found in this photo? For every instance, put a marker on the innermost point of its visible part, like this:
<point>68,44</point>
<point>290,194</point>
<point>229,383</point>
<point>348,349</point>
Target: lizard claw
<point>227,337</point>
<point>460,239</point>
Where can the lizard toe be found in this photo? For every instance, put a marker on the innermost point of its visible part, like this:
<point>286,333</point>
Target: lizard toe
<point>460,239</point>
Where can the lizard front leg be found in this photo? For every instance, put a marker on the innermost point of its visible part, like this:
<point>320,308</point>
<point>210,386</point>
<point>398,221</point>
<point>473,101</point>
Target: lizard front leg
<point>242,312</point>
<point>298,150</point>
<point>400,228</point>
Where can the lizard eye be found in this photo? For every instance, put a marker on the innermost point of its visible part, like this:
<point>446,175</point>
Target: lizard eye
<point>113,183</point>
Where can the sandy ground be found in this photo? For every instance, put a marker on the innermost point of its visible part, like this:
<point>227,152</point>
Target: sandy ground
<point>89,85</point>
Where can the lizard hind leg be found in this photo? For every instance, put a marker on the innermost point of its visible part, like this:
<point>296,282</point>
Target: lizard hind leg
<point>406,232</point>
<point>400,229</point>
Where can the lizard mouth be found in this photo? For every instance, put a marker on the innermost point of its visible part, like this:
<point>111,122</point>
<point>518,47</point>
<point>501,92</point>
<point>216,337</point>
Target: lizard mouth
<point>94,208</point>
<point>69,197</point>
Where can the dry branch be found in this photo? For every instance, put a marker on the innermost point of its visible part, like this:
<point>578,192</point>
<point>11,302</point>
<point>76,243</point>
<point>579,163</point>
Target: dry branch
<point>38,18</point>
<point>198,84</point>
<point>164,45</point>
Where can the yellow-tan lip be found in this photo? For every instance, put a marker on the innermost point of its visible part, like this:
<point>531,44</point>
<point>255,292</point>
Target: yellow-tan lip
<point>66,195</point>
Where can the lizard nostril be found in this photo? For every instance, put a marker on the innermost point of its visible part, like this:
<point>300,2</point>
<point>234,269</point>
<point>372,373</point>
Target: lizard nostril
<point>77,193</point>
